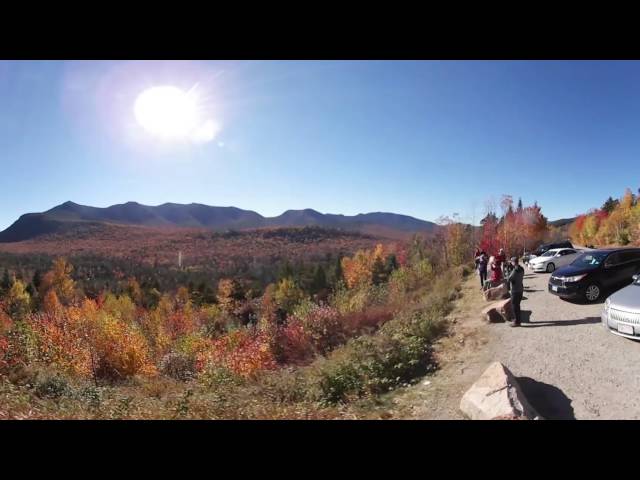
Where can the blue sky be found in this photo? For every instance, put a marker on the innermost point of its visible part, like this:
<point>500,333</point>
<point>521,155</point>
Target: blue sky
<point>418,138</point>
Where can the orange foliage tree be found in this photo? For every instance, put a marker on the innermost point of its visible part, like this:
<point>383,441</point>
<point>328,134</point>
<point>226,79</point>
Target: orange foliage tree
<point>359,269</point>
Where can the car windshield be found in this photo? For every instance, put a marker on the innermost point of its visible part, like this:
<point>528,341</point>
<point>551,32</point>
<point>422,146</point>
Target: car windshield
<point>549,253</point>
<point>589,260</point>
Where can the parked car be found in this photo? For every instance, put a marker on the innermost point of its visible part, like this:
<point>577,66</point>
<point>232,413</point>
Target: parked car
<point>621,314</point>
<point>553,259</point>
<point>545,247</point>
<point>593,272</point>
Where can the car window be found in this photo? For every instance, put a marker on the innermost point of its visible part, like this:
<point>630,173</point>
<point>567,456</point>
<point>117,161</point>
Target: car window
<point>613,259</point>
<point>590,261</point>
<point>629,257</point>
<point>569,252</point>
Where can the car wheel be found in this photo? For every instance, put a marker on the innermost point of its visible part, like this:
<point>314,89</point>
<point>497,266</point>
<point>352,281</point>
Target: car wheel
<point>550,268</point>
<point>592,292</point>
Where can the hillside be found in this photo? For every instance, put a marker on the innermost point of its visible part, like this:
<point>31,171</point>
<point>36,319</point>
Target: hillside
<point>562,222</point>
<point>64,217</point>
<point>160,245</point>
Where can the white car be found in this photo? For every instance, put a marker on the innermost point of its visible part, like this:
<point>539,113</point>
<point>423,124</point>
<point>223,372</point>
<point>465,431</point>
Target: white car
<point>553,259</point>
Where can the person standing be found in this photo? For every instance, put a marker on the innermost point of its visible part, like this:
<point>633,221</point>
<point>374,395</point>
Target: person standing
<point>481,261</point>
<point>516,289</point>
<point>495,277</point>
<point>501,258</point>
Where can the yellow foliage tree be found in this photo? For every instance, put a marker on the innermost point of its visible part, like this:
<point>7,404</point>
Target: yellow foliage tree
<point>287,294</point>
<point>134,291</point>
<point>18,300</point>
<point>59,279</point>
<point>229,294</point>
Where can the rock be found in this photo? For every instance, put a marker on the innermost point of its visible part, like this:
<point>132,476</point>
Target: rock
<point>496,395</point>
<point>496,293</point>
<point>491,314</point>
<point>505,309</point>
<point>500,311</point>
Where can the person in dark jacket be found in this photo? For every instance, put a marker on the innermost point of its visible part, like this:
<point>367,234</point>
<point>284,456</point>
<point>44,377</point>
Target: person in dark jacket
<point>481,262</point>
<point>516,289</point>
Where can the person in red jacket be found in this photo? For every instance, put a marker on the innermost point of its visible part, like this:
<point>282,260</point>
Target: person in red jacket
<point>495,277</point>
<point>501,258</point>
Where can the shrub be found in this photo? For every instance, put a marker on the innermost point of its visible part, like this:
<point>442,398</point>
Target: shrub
<point>178,366</point>
<point>338,380</point>
<point>52,387</point>
<point>91,395</point>
<point>245,352</point>
<point>219,377</point>
<point>368,320</point>
<point>292,344</point>
<point>285,385</point>
<point>323,327</point>
<point>399,352</point>
<point>120,350</point>
<point>213,321</point>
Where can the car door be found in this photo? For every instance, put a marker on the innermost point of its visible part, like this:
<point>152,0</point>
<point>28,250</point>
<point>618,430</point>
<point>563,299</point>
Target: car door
<point>613,271</point>
<point>628,266</point>
<point>636,262</point>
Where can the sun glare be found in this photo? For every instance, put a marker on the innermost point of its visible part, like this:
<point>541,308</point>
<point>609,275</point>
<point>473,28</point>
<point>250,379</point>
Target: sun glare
<point>168,112</point>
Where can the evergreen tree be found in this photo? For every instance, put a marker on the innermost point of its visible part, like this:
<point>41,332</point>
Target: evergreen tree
<point>610,205</point>
<point>519,205</point>
<point>286,271</point>
<point>337,273</point>
<point>378,271</point>
<point>319,282</point>
<point>6,283</point>
<point>37,279</point>
<point>391,263</point>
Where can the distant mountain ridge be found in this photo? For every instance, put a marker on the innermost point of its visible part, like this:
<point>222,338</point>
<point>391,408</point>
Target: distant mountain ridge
<point>562,222</point>
<point>196,215</point>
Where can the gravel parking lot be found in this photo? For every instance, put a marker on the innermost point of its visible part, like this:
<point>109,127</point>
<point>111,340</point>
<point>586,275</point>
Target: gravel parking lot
<point>569,366</point>
<point>568,363</point>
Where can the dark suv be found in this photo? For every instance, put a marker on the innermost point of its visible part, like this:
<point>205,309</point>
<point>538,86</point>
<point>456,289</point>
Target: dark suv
<point>548,246</point>
<point>593,272</point>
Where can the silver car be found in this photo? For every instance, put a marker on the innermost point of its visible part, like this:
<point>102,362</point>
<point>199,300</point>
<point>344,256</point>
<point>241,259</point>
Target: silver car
<point>621,314</point>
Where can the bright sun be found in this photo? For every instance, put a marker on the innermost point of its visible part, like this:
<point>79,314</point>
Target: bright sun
<point>167,112</point>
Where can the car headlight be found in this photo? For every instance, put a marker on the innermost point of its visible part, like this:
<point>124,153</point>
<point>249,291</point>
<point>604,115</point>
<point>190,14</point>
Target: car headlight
<point>575,278</point>
<point>607,304</point>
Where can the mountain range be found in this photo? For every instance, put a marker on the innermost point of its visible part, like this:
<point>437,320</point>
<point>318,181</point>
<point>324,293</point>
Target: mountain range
<point>194,215</point>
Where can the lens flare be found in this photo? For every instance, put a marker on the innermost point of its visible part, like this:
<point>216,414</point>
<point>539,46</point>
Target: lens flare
<point>167,112</point>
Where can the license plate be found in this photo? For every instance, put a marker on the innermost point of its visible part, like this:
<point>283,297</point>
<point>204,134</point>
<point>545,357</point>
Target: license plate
<point>554,288</point>
<point>628,329</point>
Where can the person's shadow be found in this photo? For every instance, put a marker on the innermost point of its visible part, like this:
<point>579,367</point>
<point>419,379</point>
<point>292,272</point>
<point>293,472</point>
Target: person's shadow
<point>547,400</point>
<point>526,318</point>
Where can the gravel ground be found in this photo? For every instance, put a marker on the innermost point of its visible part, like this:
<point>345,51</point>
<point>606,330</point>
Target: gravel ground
<point>576,368</point>
<point>568,365</point>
